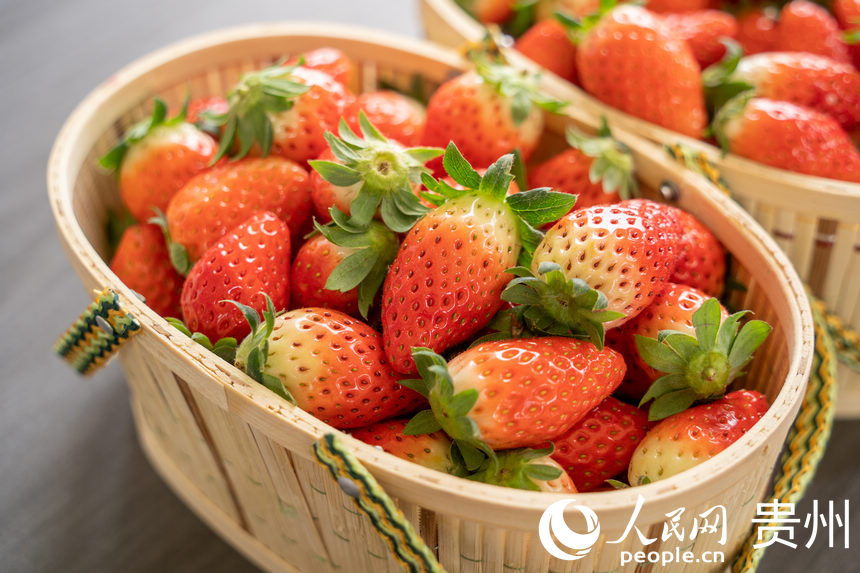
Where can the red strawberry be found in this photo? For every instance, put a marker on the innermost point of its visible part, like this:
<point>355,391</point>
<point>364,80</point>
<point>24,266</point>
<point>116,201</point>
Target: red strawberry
<point>787,136</point>
<point>627,251</point>
<point>664,6</point>
<point>250,262</point>
<point>757,30</point>
<point>548,44</point>
<point>703,30</point>
<point>155,158</point>
<point>847,13</point>
<point>330,61</point>
<point>490,11</point>
<point>369,177</point>
<point>328,364</point>
<point>701,258</point>
<point>632,60</point>
<point>487,113</point>
<point>216,201</point>
<point>318,279</point>
<point>689,438</point>
<point>808,80</point>
<point>599,446</point>
<point>285,110</point>
<point>699,348</point>
<point>428,450</point>
<point>446,282</point>
<point>215,105</point>
<point>672,309</point>
<point>513,393</point>
<point>395,115</point>
<point>142,262</point>
<point>598,170</point>
<point>807,27</point>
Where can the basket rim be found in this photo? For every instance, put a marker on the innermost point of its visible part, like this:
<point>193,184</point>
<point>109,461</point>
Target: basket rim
<point>814,189</point>
<point>395,474</point>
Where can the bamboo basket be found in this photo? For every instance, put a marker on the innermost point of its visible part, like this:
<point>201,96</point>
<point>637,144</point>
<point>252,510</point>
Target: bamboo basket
<point>816,221</point>
<point>241,457</point>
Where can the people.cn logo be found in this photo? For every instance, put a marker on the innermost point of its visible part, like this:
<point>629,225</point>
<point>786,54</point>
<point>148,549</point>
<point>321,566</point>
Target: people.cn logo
<point>552,525</point>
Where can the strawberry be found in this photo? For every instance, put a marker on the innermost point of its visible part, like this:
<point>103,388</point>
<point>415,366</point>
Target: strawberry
<point>599,446</point>
<point>445,283</point>
<point>807,27</point>
<point>674,6</point>
<point>701,258</point>
<point>249,263</point>
<point>757,29</point>
<point>509,394</point>
<point>787,136</point>
<point>327,363</point>
<point>200,111</point>
<point>212,203</point>
<point>698,364</point>
<point>598,170</point>
<point>395,115</point>
<point>285,110</point>
<point>330,61</point>
<point>142,262</point>
<point>672,309</point>
<point>548,44</point>
<point>630,59</point>
<point>488,112</point>
<point>808,80</point>
<point>155,158</point>
<point>626,251</point>
<point>847,13</point>
<point>370,177</point>
<point>703,31</point>
<point>428,450</point>
<point>546,9</point>
<point>489,11</point>
<point>689,438</point>
<point>342,268</point>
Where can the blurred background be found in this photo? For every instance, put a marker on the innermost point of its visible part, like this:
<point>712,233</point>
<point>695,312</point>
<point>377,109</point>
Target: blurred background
<point>76,493</point>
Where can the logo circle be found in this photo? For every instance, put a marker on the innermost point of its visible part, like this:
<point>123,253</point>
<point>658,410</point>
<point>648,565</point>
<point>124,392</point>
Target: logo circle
<point>552,523</point>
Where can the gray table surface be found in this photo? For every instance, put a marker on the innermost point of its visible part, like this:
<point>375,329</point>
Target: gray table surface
<point>76,493</point>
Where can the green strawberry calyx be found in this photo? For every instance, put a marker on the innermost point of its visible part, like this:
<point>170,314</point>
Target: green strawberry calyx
<point>224,348</point>
<point>113,159</point>
<point>532,209</point>
<point>554,305</point>
<point>520,469</point>
<point>613,164</point>
<point>253,101</point>
<point>253,351</point>
<point>519,87</point>
<point>730,111</point>
<point>385,171</point>
<point>718,80</point>
<point>371,249</point>
<point>448,411</point>
<point>699,367</point>
<point>578,28</point>
<point>178,253</point>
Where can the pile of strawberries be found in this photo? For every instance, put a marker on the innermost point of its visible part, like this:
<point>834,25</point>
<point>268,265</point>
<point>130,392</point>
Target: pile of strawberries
<point>386,267</point>
<point>775,85</point>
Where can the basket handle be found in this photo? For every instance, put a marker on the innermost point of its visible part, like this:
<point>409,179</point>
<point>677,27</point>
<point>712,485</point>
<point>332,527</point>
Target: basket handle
<point>356,482</point>
<point>97,333</point>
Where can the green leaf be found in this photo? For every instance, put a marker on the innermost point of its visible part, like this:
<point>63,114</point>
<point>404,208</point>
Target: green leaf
<point>663,385</point>
<point>337,174</point>
<point>659,356</point>
<point>542,473</point>
<point>472,456</point>
<point>497,179</point>
<point>364,206</point>
<point>462,402</point>
<point>751,336</point>
<point>352,270</point>
<point>616,484</point>
<point>368,129</point>
<point>541,206</point>
<point>706,321</point>
<point>424,422</point>
<point>179,325</point>
<point>274,384</point>
<point>671,403</point>
<point>459,169</point>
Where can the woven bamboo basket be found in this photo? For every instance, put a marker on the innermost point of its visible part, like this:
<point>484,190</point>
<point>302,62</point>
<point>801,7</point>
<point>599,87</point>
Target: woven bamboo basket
<point>816,221</point>
<point>241,457</point>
